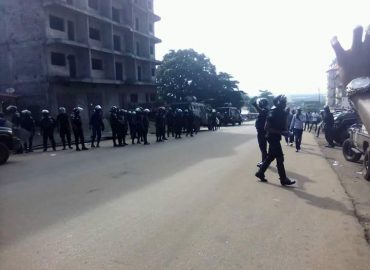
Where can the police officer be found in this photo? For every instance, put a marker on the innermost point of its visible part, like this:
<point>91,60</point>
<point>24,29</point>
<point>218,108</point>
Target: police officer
<point>96,125</point>
<point>275,128</point>
<point>113,120</point>
<point>133,126</point>
<point>190,123</point>
<point>64,127</point>
<point>139,125</point>
<point>28,124</point>
<point>262,108</point>
<point>47,125</point>
<point>178,123</point>
<point>328,124</point>
<point>16,116</point>
<point>77,128</point>
<point>146,126</point>
<point>170,123</point>
<point>122,127</point>
<point>160,124</point>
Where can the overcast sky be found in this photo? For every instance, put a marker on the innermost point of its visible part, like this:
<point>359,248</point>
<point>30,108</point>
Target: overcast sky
<point>280,45</point>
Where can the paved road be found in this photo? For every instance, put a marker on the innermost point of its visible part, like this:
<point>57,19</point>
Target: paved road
<point>188,204</point>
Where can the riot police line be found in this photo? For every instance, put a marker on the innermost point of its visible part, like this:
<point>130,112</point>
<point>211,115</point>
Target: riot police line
<point>126,126</point>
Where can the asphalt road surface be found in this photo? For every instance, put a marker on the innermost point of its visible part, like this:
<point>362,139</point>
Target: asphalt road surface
<point>192,203</point>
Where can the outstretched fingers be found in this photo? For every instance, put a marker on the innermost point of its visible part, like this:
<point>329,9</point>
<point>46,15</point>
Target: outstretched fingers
<point>357,38</point>
<point>338,49</point>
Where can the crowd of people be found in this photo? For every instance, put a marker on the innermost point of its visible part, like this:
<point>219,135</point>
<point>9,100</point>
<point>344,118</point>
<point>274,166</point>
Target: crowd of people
<point>135,123</point>
<point>277,122</point>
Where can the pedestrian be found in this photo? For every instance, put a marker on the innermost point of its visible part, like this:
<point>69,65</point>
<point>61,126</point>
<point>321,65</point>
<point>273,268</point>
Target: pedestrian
<point>290,138</point>
<point>47,126</point>
<point>261,106</point>
<point>320,126</point>
<point>77,128</point>
<point>113,120</point>
<point>307,120</point>
<point>329,125</point>
<point>275,128</point>
<point>15,117</point>
<point>139,125</point>
<point>297,127</point>
<point>28,124</point>
<point>189,122</point>
<point>97,126</point>
<point>122,127</point>
<point>314,122</point>
<point>64,127</point>
<point>146,126</point>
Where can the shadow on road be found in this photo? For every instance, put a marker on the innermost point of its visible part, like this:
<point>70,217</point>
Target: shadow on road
<point>43,191</point>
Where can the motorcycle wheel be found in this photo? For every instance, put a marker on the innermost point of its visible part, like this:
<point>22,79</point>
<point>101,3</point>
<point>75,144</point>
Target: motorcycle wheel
<point>348,154</point>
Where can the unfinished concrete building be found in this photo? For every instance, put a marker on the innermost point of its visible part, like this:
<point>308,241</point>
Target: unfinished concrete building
<point>78,52</point>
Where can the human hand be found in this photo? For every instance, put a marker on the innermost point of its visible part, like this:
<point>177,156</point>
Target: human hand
<point>355,62</point>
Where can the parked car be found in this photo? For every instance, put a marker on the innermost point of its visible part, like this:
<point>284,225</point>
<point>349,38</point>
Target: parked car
<point>8,144</point>
<point>342,122</point>
<point>357,145</point>
<point>230,115</point>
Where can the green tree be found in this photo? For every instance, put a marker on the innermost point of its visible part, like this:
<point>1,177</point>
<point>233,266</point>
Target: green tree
<point>185,73</point>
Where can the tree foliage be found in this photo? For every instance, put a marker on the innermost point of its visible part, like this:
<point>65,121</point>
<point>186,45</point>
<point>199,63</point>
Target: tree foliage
<point>186,73</point>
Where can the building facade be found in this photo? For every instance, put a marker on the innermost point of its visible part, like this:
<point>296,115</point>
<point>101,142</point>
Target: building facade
<point>336,95</point>
<point>78,52</point>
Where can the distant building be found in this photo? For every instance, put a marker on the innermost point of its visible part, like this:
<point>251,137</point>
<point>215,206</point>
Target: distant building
<point>78,52</point>
<point>336,96</point>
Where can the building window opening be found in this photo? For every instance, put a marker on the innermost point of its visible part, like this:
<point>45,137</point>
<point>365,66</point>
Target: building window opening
<point>151,28</point>
<point>97,64</point>
<point>137,48</point>
<point>58,59</point>
<point>151,50</point>
<point>153,72</point>
<point>139,75</point>
<point>134,98</point>
<point>94,33</point>
<point>150,5</point>
<point>56,23</point>
<point>152,97</point>
<point>94,4</point>
<point>137,24</point>
<point>115,15</point>
<point>117,43</point>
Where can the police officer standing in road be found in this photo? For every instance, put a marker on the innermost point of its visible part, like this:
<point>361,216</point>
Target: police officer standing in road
<point>122,127</point>
<point>262,108</point>
<point>77,128</point>
<point>170,123</point>
<point>47,125</point>
<point>276,127</point>
<point>113,120</point>
<point>189,122</point>
<point>178,123</point>
<point>97,126</point>
<point>28,124</point>
<point>328,124</point>
<point>64,127</point>
<point>133,126</point>
<point>146,126</point>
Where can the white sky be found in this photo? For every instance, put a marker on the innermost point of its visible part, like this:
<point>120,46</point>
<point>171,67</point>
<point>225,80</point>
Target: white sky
<point>279,45</point>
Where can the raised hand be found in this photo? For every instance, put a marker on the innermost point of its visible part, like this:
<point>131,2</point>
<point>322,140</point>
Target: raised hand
<point>355,62</point>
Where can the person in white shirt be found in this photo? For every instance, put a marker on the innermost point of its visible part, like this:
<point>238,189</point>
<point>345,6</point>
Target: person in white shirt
<point>297,124</point>
<point>315,118</point>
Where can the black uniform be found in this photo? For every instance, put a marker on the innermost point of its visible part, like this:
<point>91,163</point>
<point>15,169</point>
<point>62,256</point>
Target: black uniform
<point>276,119</point>
<point>64,126</point>
<point>329,124</point>
<point>146,128</point>
<point>178,124</point>
<point>47,125</point>
<point>113,119</point>
<point>160,125</point>
<point>122,128</point>
<point>133,127</point>
<point>139,127</point>
<point>28,124</point>
<point>189,123</point>
<point>78,131</point>
<point>170,123</point>
<point>261,133</point>
<point>97,126</point>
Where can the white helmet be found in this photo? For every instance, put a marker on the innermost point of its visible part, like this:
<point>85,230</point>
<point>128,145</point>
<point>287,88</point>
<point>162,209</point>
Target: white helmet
<point>45,112</point>
<point>97,107</point>
<point>147,110</point>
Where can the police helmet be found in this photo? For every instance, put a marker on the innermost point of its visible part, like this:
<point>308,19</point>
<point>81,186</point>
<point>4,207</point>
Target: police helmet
<point>113,109</point>
<point>77,110</point>
<point>26,112</point>
<point>326,108</point>
<point>97,107</point>
<point>262,102</point>
<point>62,110</point>
<point>11,108</point>
<point>179,110</point>
<point>186,110</point>
<point>280,101</point>
<point>133,113</point>
<point>45,112</point>
<point>138,109</point>
<point>147,111</point>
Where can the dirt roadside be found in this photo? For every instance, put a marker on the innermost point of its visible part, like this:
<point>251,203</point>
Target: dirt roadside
<point>350,175</point>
